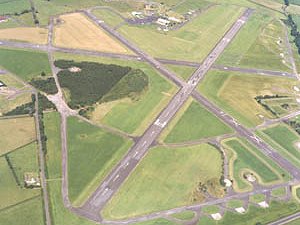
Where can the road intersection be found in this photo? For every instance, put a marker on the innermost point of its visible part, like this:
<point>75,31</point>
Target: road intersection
<point>123,169</point>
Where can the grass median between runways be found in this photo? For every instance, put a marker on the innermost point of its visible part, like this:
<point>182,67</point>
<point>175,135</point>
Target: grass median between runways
<point>92,152</point>
<point>167,178</point>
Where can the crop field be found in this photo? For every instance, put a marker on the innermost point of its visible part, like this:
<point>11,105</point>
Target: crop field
<point>8,105</point>
<point>195,123</point>
<point>255,215</point>
<point>28,34</point>
<point>245,158</point>
<point>23,130</point>
<point>187,42</point>
<point>287,139</point>
<point>76,31</point>
<point>25,64</point>
<point>13,6</point>
<point>24,160</point>
<point>166,178</point>
<point>235,93</point>
<point>126,115</point>
<point>259,45</point>
<point>10,192</point>
<point>28,212</point>
<point>92,154</point>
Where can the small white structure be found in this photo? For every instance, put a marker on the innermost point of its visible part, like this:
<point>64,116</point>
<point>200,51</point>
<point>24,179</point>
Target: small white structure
<point>134,13</point>
<point>163,22</point>
<point>227,182</point>
<point>251,178</point>
<point>216,216</point>
<point>240,210</point>
<point>296,88</point>
<point>263,204</point>
<point>74,69</point>
<point>281,55</point>
<point>174,19</point>
<point>2,84</point>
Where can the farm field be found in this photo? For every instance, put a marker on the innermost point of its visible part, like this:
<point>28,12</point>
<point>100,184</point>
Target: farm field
<point>194,123</point>
<point>179,169</point>
<point>235,93</point>
<point>286,141</point>
<point>244,158</point>
<point>23,130</point>
<point>25,64</point>
<point>92,154</point>
<point>28,212</point>
<point>27,34</point>
<point>255,214</point>
<point>207,28</point>
<point>8,105</point>
<point>13,6</point>
<point>77,31</point>
<point>131,116</point>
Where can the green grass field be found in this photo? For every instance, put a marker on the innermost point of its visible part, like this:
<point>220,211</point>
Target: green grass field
<point>10,193</point>
<point>235,203</point>
<point>235,92</point>
<point>26,213</point>
<point>185,72</point>
<point>279,192</point>
<point>13,6</point>
<point>166,178</point>
<point>186,215</point>
<point>16,133</point>
<point>207,28</point>
<point>255,46</point>
<point>24,160</point>
<point>210,209</point>
<point>255,215</point>
<point>257,198</point>
<point>128,116</point>
<point>92,154</point>
<point>245,158</point>
<point>194,124</point>
<point>108,17</point>
<point>26,64</point>
<point>59,214</point>
<point>287,140</point>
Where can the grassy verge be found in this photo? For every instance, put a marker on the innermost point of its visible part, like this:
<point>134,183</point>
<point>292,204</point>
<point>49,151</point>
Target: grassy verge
<point>167,178</point>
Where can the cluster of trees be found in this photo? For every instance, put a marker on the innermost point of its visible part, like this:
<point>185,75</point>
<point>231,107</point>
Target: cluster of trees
<point>294,124</point>
<point>46,85</point>
<point>27,108</point>
<point>131,85</point>
<point>286,2</point>
<point>41,125</point>
<point>91,83</point>
<point>294,31</point>
<point>10,165</point>
<point>45,104</point>
<point>260,100</point>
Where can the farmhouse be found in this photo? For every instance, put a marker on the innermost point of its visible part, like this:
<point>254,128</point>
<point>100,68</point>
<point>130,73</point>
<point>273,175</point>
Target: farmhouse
<point>31,180</point>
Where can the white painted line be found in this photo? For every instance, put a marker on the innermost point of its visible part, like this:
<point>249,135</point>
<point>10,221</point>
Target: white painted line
<point>135,154</point>
<point>153,132</point>
<point>145,142</point>
<point>116,177</point>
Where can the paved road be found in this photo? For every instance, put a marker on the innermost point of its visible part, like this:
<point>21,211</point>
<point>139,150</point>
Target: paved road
<point>286,220</point>
<point>250,136</point>
<point>42,164</point>
<point>52,48</point>
<point>119,174</point>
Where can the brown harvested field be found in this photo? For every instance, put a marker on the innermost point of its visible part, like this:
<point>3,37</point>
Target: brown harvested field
<point>29,34</point>
<point>15,133</point>
<point>77,31</point>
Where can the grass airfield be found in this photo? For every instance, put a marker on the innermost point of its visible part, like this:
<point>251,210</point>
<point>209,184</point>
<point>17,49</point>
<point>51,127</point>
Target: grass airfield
<point>93,151</point>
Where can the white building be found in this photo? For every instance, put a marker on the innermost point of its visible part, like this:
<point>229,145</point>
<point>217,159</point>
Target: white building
<point>163,22</point>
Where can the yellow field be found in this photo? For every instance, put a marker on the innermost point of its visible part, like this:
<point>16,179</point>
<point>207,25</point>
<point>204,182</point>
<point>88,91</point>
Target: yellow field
<point>28,34</point>
<point>15,133</point>
<point>76,31</point>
